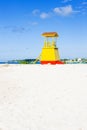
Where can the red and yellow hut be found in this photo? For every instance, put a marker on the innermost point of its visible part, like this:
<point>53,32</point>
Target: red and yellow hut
<point>50,52</point>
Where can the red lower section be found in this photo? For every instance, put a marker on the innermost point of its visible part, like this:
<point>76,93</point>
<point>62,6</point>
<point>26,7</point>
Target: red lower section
<point>51,62</point>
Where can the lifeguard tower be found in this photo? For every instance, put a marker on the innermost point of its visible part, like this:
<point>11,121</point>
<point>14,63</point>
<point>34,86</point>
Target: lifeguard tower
<point>50,53</point>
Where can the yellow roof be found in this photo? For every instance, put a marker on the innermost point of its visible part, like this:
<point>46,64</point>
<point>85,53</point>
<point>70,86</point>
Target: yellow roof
<point>50,34</point>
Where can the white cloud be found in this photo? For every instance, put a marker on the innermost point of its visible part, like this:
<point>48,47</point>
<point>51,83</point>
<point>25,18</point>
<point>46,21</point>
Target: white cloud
<point>61,11</point>
<point>19,29</point>
<point>15,29</point>
<point>83,8</point>
<point>65,1</point>
<point>64,11</point>
<point>84,3</point>
<point>44,15</point>
<point>34,23</point>
<point>35,11</point>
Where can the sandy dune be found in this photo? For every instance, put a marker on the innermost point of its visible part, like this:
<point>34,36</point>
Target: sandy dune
<point>43,97</point>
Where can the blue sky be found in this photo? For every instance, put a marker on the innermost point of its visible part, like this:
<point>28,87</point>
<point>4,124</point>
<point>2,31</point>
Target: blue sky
<point>23,21</point>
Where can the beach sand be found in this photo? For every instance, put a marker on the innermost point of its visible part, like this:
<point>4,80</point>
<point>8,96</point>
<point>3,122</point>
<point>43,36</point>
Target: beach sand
<point>43,97</point>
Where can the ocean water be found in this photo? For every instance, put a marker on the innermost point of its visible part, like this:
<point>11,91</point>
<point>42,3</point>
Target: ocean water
<point>9,62</point>
<point>14,62</point>
<point>2,62</point>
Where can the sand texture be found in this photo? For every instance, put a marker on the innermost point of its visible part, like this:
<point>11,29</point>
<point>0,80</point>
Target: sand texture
<point>43,97</point>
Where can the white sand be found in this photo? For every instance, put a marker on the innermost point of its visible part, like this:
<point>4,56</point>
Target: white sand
<point>43,97</point>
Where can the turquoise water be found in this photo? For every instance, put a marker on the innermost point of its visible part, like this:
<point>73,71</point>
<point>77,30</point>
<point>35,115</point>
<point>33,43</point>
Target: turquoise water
<point>14,62</point>
<point>9,63</point>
